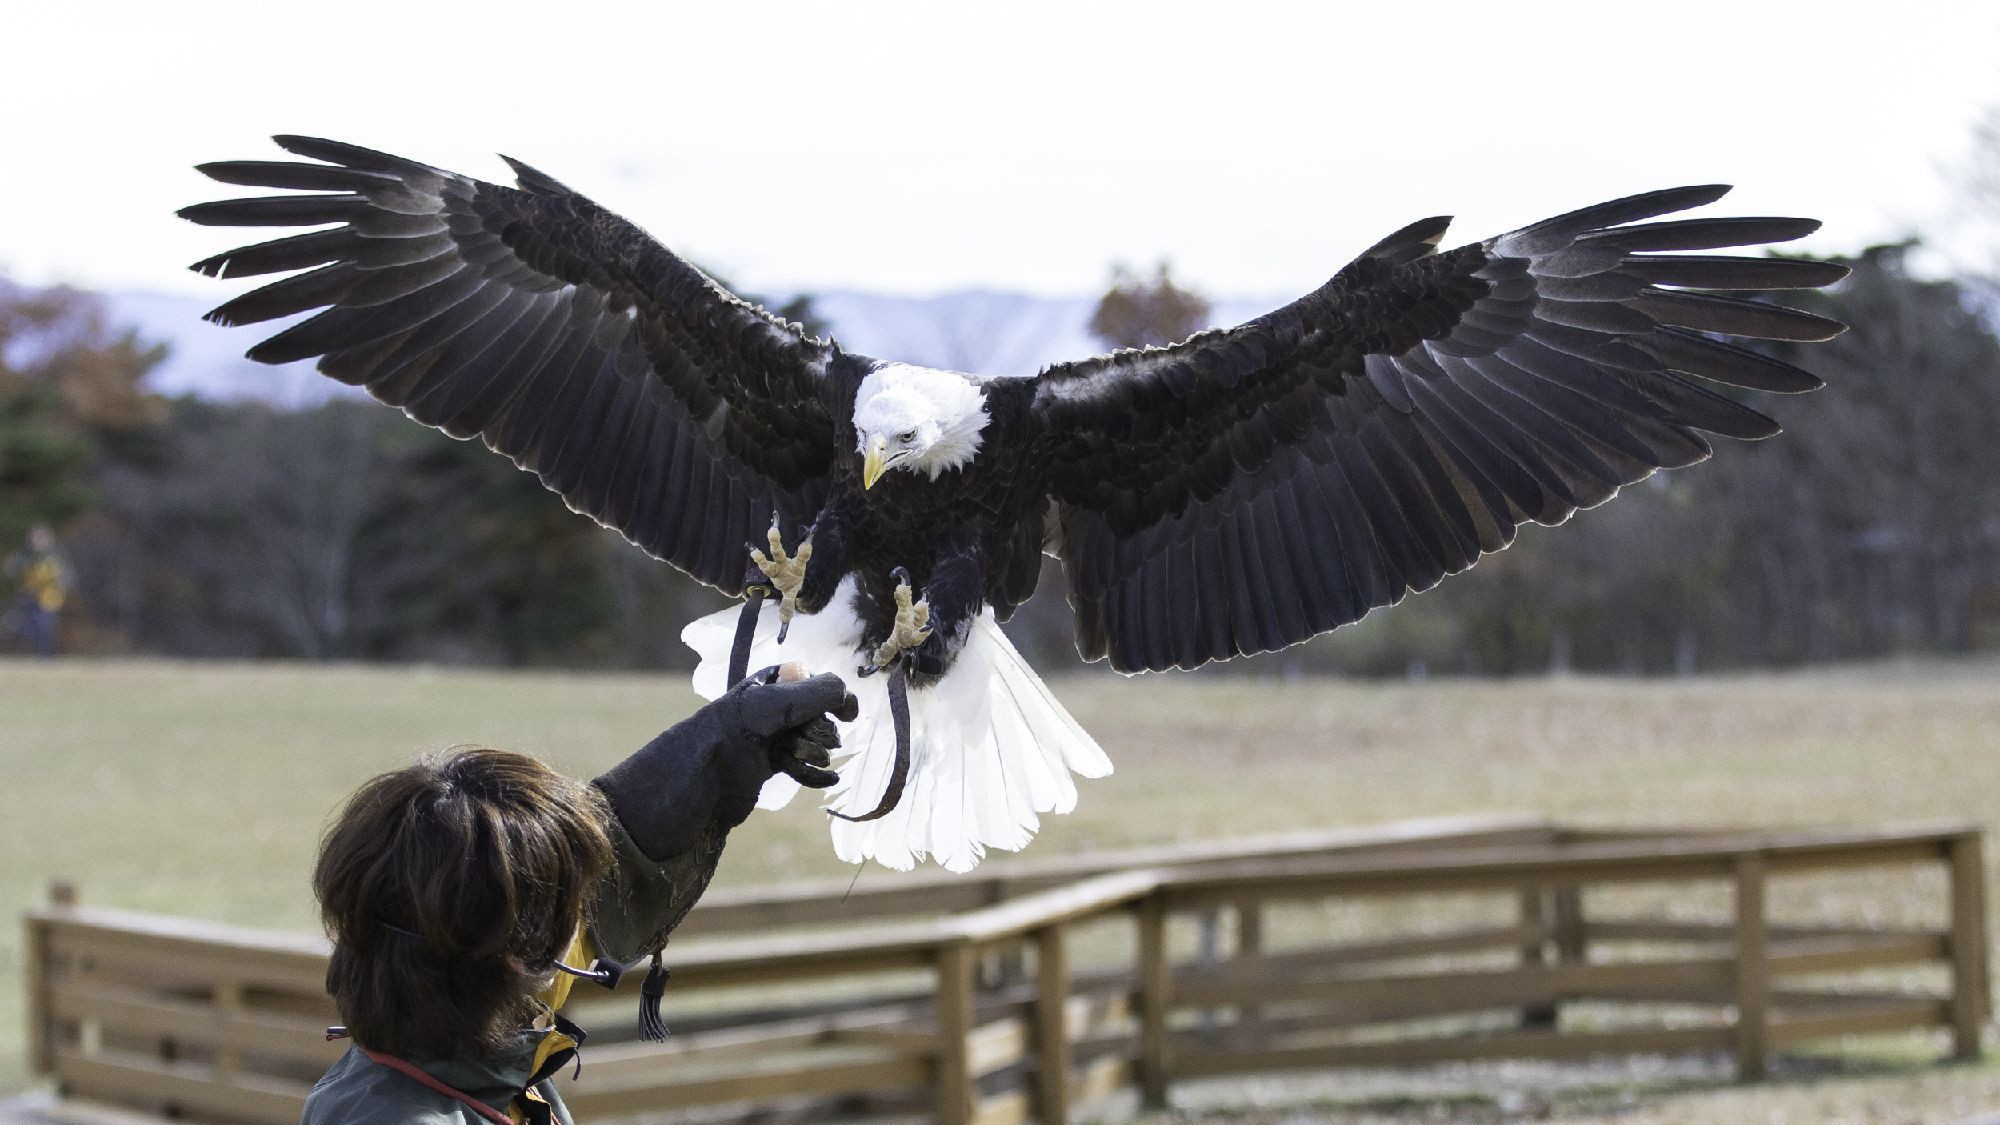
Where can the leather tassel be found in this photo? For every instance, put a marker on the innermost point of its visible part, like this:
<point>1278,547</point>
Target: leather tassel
<point>653,1028</point>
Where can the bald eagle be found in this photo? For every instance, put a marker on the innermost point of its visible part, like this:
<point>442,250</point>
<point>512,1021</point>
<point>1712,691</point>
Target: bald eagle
<point>1235,493</point>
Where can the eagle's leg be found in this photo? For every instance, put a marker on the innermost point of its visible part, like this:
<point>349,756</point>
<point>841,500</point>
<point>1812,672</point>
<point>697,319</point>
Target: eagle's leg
<point>786,573</point>
<point>910,628</point>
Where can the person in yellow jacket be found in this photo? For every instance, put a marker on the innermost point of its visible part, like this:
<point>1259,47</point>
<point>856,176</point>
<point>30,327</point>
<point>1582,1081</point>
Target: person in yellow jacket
<point>42,580</point>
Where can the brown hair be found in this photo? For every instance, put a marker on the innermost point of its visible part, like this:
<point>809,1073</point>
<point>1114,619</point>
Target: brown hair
<point>450,887</point>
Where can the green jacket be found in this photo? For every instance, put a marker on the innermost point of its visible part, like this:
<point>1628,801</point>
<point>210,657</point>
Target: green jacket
<point>638,905</point>
<point>358,1089</point>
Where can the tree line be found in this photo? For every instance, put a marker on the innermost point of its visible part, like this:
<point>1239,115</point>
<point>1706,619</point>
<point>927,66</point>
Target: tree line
<point>345,532</point>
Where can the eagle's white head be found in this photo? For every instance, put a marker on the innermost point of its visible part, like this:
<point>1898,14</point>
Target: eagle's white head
<point>916,418</point>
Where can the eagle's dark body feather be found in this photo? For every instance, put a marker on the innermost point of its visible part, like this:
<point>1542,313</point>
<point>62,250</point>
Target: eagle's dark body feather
<point>1235,493</point>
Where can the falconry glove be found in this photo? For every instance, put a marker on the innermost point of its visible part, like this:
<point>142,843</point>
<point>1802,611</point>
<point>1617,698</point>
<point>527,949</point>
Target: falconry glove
<point>705,772</point>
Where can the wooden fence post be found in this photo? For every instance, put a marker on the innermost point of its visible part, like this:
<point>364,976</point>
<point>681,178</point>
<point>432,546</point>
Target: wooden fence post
<point>1052,1025</point>
<point>1249,946</point>
<point>1753,969</point>
<point>1208,953</point>
<point>1566,925</point>
<point>1534,911</point>
<point>1155,998</point>
<point>41,1018</point>
<point>1970,993</point>
<point>955,965</point>
<point>229,1002</point>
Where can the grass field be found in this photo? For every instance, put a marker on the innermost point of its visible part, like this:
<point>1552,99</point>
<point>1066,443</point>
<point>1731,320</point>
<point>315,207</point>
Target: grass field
<point>201,789</point>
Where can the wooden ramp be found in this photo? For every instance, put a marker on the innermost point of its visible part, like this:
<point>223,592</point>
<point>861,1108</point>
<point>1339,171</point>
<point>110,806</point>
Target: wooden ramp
<point>1021,991</point>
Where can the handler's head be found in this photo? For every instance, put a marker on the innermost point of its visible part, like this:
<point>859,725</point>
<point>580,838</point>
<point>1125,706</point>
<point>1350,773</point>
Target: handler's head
<point>450,888</point>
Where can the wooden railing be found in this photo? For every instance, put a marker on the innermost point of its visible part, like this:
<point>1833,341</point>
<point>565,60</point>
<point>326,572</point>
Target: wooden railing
<point>1025,991</point>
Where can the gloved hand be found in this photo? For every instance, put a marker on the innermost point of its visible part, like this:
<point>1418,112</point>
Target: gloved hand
<point>707,769</point>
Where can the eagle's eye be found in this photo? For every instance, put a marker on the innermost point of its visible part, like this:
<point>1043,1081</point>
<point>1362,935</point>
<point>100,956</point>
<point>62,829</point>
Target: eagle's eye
<point>907,437</point>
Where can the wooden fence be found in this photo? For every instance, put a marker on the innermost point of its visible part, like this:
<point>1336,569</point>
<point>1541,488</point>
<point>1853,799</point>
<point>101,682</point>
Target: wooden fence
<point>1019,992</point>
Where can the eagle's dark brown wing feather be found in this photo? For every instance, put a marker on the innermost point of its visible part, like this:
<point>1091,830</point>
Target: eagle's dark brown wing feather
<point>1253,487</point>
<point>649,397</point>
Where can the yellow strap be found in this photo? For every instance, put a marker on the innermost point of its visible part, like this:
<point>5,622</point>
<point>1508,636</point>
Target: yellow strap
<point>581,953</point>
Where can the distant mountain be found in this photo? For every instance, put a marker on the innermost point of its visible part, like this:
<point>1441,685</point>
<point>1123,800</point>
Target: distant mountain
<point>974,330</point>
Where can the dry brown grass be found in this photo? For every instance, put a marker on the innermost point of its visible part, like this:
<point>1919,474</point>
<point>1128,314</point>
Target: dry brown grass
<point>201,790</point>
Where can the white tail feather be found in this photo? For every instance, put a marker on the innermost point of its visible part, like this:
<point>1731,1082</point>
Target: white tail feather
<point>991,748</point>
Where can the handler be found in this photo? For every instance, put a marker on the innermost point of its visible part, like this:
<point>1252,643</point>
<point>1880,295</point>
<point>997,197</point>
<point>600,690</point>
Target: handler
<point>464,893</point>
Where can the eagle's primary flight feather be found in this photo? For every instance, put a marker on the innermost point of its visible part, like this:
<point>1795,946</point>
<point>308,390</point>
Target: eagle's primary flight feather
<point>1235,493</point>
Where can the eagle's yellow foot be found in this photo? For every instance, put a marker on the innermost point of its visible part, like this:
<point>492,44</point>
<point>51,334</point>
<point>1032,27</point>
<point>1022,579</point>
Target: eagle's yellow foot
<point>911,627</point>
<point>785,572</point>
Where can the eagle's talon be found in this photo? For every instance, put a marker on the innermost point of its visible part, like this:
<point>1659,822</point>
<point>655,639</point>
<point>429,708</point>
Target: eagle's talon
<point>910,629</point>
<point>785,572</point>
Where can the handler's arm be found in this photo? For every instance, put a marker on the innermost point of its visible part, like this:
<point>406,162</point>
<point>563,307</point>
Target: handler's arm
<point>676,800</point>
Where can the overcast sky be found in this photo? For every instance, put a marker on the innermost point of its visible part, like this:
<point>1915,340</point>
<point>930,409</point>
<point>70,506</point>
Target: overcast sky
<point>919,147</point>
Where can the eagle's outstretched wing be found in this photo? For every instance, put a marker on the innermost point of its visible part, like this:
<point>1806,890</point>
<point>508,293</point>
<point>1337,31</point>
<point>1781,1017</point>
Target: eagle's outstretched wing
<point>652,399</point>
<point>1255,486</point>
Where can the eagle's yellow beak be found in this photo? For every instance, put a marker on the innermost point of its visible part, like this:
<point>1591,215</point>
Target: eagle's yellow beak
<point>872,463</point>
